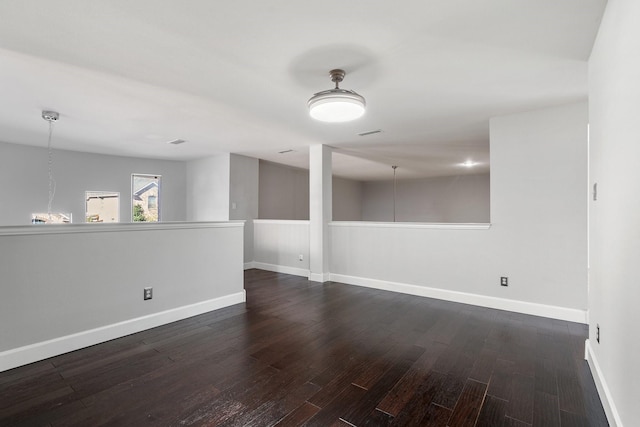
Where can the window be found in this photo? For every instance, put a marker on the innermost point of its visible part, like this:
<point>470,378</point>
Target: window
<point>145,198</point>
<point>102,206</point>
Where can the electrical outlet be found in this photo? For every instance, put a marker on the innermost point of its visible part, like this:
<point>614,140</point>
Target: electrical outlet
<point>598,333</point>
<point>504,281</point>
<point>148,293</point>
<point>300,257</point>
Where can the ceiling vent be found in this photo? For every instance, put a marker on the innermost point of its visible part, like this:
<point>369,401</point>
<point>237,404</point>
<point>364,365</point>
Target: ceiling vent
<point>285,151</point>
<point>371,132</point>
<point>176,142</point>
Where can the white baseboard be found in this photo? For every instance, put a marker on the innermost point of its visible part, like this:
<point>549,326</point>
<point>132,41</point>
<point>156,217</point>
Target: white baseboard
<point>320,277</point>
<point>281,269</point>
<point>554,312</point>
<point>32,353</point>
<point>603,390</point>
<point>249,265</point>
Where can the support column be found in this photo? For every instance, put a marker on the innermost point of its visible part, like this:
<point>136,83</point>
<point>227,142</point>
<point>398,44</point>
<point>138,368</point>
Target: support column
<point>320,211</point>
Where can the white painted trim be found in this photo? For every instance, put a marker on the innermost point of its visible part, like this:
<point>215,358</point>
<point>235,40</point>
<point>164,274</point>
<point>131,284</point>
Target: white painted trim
<point>412,225</point>
<point>249,265</point>
<point>32,353</point>
<point>551,311</point>
<point>281,269</point>
<point>282,221</point>
<point>320,277</point>
<point>603,390</point>
<point>40,229</point>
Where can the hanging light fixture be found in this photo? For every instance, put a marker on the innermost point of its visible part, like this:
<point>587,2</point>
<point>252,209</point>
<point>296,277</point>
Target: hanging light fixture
<point>51,117</point>
<point>336,105</point>
<point>394,192</point>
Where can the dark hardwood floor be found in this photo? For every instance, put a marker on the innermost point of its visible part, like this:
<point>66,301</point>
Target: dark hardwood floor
<point>302,353</point>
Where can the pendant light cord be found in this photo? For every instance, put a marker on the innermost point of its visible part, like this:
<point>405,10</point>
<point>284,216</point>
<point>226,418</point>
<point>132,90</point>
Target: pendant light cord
<point>394,192</point>
<point>52,182</point>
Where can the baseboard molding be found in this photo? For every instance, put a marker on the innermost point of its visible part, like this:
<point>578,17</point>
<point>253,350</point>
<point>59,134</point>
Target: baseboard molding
<point>249,265</point>
<point>554,312</point>
<point>281,269</point>
<point>603,390</point>
<point>320,277</point>
<point>34,352</point>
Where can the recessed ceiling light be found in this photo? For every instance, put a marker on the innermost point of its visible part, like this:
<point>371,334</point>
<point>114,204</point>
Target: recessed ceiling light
<point>469,164</point>
<point>176,142</point>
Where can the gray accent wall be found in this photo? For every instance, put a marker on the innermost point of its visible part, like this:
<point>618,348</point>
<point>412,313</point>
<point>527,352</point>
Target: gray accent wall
<point>451,199</point>
<point>283,192</point>
<point>347,199</point>
<point>243,197</point>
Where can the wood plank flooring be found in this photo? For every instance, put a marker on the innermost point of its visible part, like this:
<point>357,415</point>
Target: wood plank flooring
<point>302,353</point>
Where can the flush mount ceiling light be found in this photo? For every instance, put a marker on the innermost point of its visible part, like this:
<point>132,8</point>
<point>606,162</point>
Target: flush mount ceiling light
<point>336,105</point>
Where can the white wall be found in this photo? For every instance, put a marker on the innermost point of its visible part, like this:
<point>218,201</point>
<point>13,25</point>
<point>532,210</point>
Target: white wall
<point>224,187</point>
<point>347,199</point>
<point>614,112</point>
<point>283,192</point>
<point>208,182</point>
<point>24,182</point>
<point>68,286</point>
<point>538,232</point>
<point>278,245</point>
<point>456,199</point>
<point>243,197</point>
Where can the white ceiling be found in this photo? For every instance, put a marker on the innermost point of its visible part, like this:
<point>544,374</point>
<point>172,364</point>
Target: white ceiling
<point>234,76</point>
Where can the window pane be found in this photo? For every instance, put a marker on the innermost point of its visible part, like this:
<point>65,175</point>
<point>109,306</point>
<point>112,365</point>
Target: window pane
<point>102,206</point>
<point>145,200</point>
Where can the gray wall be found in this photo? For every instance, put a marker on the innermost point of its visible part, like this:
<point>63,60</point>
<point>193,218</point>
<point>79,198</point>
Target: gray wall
<point>457,199</point>
<point>614,109</point>
<point>347,199</point>
<point>87,284</point>
<point>243,197</point>
<point>24,183</point>
<point>283,192</point>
